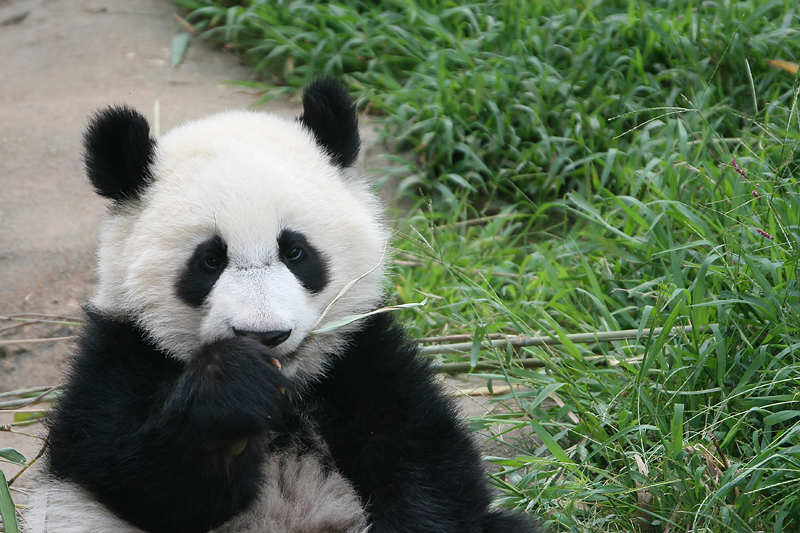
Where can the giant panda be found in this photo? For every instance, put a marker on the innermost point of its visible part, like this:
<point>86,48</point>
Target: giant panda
<point>198,398</point>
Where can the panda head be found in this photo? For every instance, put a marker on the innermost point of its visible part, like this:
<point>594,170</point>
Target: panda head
<point>241,223</point>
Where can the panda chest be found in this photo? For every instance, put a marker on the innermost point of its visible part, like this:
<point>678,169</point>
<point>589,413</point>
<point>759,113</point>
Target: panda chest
<point>300,494</point>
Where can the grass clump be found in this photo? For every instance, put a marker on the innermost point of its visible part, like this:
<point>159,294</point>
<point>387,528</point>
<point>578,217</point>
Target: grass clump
<point>509,98</point>
<point>697,431</point>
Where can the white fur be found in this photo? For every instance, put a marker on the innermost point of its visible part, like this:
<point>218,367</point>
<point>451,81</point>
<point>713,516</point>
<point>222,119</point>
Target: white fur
<point>298,496</point>
<point>279,303</point>
<point>245,176</point>
<point>301,497</point>
<point>62,507</point>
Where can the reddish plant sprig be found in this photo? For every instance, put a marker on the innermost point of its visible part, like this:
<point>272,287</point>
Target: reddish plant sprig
<point>737,168</point>
<point>756,195</point>
<point>764,234</point>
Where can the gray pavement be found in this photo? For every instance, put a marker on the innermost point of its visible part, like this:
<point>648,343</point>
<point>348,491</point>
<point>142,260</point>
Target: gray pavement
<point>59,61</point>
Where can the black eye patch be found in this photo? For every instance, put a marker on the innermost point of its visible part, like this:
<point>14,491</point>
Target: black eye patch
<point>202,271</point>
<point>303,260</point>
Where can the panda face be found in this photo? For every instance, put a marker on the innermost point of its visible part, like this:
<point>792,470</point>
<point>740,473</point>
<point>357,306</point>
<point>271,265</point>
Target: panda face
<point>246,225</point>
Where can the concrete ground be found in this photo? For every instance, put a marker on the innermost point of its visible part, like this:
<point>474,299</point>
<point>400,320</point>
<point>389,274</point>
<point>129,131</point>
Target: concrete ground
<point>60,60</point>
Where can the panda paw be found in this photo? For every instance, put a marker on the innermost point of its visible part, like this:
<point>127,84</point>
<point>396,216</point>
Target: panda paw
<point>232,389</point>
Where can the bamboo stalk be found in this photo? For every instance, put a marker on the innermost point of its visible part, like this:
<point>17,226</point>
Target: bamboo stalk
<point>577,338</point>
<point>29,391</point>
<point>46,396</point>
<point>461,368</point>
<point>44,319</point>
<point>458,337</point>
<point>36,341</point>
<point>18,325</point>
<point>480,220</point>
<point>465,367</point>
<point>497,390</point>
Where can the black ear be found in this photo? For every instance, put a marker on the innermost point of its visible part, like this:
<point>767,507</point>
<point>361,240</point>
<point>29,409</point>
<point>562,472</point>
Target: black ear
<point>118,152</point>
<point>330,114</point>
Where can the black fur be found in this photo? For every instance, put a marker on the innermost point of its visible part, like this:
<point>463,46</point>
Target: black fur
<point>329,113</point>
<point>118,153</point>
<point>303,260</point>
<point>398,439</point>
<point>148,435</point>
<point>202,271</point>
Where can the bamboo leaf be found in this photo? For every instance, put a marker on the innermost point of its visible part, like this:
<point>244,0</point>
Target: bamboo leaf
<point>480,333</point>
<point>180,44</point>
<point>349,319</point>
<point>7,510</point>
<point>10,455</point>
<point>550,442</point>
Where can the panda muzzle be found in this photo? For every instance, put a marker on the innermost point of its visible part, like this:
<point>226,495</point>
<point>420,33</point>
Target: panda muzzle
<point>270,339</point>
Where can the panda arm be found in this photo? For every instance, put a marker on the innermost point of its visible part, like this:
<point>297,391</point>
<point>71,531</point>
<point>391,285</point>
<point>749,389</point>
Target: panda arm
<point>400,442</point>
<point>166,445</point>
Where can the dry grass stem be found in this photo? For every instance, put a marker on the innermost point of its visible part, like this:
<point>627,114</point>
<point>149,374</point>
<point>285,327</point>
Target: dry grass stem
<point>577,338</point>
<point>37,341</point>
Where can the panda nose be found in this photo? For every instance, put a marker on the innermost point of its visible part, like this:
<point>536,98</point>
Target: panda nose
<point>267,338</point>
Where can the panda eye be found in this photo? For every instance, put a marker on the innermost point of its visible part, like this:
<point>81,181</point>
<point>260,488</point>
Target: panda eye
<point>306,262</point>
<point>202,270</point>
<point>211,263</point>
<point>294,253</point>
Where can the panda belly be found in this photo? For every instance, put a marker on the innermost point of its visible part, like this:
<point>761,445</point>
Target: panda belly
<point>299,495</point>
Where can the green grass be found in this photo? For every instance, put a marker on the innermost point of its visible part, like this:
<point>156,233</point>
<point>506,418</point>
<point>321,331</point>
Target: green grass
<point>534,106</point>
<point>712,418</point>
<point>574,168</point>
